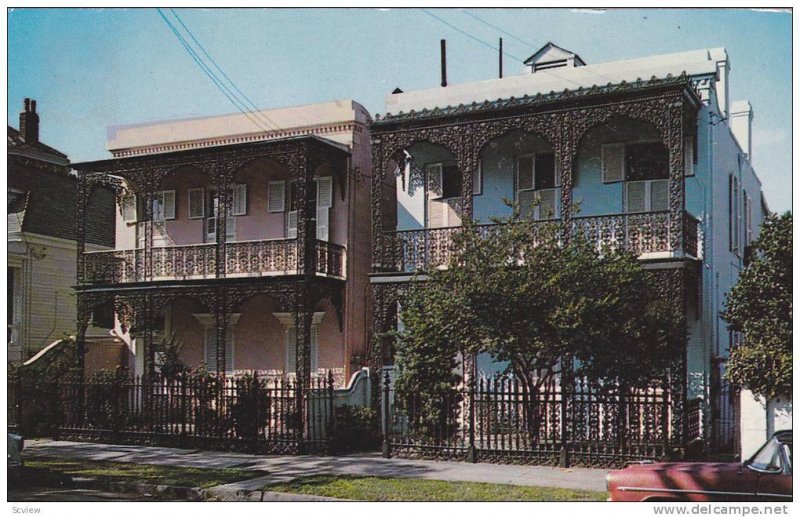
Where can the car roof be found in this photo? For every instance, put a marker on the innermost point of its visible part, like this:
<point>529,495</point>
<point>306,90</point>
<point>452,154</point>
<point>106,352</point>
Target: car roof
<point>784,436</point>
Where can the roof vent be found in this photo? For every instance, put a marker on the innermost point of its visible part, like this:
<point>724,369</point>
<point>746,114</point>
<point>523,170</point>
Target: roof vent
<point>552,56</point>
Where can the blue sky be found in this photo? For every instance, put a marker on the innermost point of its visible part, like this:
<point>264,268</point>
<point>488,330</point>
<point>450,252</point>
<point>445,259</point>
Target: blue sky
<point>93,68</point>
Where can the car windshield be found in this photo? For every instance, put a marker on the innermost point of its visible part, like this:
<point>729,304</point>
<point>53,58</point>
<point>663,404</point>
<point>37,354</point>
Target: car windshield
<point>767,458</point>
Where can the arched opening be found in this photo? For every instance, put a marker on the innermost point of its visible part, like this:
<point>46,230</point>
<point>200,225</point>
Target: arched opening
<point>430,194</point>
<point>180,208</point>
<point>518,166</point>
<point>260,202</point>
<point>622,166</point>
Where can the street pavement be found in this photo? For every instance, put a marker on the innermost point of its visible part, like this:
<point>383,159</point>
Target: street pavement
<point>286,468</point>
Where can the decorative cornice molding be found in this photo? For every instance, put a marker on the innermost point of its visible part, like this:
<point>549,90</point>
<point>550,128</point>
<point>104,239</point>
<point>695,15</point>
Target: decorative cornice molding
<point>343,127</point>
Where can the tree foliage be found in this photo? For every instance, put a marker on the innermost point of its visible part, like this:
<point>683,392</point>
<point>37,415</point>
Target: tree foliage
<point>760,306</point>
<point>516,290</point>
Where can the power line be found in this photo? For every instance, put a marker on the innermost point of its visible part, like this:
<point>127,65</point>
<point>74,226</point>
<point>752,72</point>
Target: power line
<point>527,43</point>
<point>467,34</point>
<point>225,91</point>
<point>254,110</point>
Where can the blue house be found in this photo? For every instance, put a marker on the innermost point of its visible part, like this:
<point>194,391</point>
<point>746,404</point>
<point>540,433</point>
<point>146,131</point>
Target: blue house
<point>646,154</point>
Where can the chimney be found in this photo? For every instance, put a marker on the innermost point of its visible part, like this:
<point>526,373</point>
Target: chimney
<point>444,63</point>
<point>741,124</point>
<point>29,123</point>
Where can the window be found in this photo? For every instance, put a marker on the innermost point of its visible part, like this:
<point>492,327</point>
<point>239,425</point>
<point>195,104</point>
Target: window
<point>444,195</point>
<point>291,349</point>
<point>646,171</point>
<point>238,200</point>
<point>164,205</point>
<point>197,203</point>
<point>451,182</point>
<point>129,208</point>
<point>212,213</point>
<point>537,183</point>
<point>210,336</point>
<point>733,214</point>
<point>768,458</point>
<point>477,179</point>
<point>690,155</point>
<point>276,197</point>
<point>612,162</point>
<point>323,202</point>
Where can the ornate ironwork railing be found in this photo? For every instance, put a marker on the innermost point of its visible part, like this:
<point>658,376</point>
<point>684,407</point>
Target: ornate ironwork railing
<point>178,262</point>
<point>241,258</point>
<point>330,259</point>
<point>114,267</point>
<point>266,257</point>
<point>430,248</point>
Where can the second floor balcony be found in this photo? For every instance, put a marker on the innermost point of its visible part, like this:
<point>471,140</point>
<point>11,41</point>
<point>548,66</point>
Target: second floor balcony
<point>273,257</point>
<point>647,235</point>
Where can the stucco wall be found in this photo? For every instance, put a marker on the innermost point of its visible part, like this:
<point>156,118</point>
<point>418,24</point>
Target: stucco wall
<point>760,419</point>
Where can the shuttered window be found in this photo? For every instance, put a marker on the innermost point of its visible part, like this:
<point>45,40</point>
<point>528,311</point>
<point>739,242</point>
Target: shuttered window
<point>612,162</point>
<point>435,184</point>
<point>525,172</point>
<point>211,349</point>
<point>324,203</point>
<point>291,349</point>
<point>276,196</point>
<point>239,200</point>
<point>647,196</point>
<point>164,205</point>
<point>477,179</point>
<point>129,208</point>
<point>197,203</point>
<point>291,224</point>
<point>689,155</point>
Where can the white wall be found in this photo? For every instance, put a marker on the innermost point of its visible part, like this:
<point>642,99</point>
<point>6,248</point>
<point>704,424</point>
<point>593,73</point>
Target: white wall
<point>760,419</point>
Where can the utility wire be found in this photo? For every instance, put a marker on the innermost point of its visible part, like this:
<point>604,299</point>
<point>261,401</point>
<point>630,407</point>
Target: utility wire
<point>467,34</point>
<point>225,90</point>
<point>254,110</point>
<point>526,43</point>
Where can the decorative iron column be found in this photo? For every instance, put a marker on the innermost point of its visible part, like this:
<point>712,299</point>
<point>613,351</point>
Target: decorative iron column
<point>470,368</point>
<point>80,238</point>
<point>221,319</point>
<point>377,204</point>
<point>677,193</point>
<point>466,156</point>
<point>565,154</point>
<point>225,172</point>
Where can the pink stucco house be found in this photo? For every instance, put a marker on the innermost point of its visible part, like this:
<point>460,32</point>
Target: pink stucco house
<point>244,237</point>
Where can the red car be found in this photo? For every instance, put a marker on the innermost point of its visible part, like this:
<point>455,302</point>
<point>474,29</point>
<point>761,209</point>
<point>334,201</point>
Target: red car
<point>767,476</point>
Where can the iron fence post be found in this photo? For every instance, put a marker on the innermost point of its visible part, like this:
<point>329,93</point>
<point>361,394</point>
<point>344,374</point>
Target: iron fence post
<point>565,379</point>
<point>256,394</point>
<point>472,453</point>
<point>387,450</point>
<point>331,424</point>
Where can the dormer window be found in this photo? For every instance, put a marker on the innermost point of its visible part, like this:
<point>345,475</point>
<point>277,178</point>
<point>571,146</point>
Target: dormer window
<point>552,56</point>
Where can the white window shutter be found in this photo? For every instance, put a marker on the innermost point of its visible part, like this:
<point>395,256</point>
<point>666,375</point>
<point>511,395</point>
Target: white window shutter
<point>437,213</point>
<point>525,171</point>
<point>435,184</point>
<point>239,205</point>
<point>526,199</point>
<point>291,350</point>
<point>169,204</point>
<point>548,208</point>
<point>291,225</point>
<point>477,179</point>
<point>211,229</point>
<point>140,233</point>
<point>453,212</point>
<point>636,196</point>
<point>612,162</point>
<point>688,154</point>
<point>129,208</point>
<point>230,228</point>
<point>314,348</point>
<point>659,195</point>
<point>211,349</point>
<point>158,206</point>
<point>325,192</point>
<point>323,216</point>
<point>197,203</point>
<point>276,196</point>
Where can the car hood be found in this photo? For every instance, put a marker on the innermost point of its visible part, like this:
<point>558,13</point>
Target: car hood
<point>686,467</point>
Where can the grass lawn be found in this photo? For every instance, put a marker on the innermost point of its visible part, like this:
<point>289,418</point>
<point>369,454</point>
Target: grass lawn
<point>43,468</point>
<point>409,489</point>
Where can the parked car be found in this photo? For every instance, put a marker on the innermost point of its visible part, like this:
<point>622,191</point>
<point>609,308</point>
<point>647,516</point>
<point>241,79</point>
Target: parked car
<point>14,451</point>
<point>766,476</point>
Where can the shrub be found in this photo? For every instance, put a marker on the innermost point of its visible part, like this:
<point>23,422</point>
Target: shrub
<point>106,399</point>
<point>356,428</point>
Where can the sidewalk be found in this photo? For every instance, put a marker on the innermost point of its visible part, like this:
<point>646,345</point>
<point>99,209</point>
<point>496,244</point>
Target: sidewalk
<point>286,468</point>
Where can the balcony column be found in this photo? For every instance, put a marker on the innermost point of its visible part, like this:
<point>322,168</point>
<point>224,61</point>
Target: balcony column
<point>84,313</point>
<point>150,184</point>
<point>467,158</point>
<point>80,212</point>
<point>377,203</point>
<point>225,172</point>
<point>566,149</point>
<point>222,312</point>
<point>677,202</point>
<point>302,170</point>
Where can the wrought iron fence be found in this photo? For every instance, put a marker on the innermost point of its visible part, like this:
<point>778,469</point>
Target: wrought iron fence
<point>428,248</point>
<point>498,420</point>
<point>245,413</point>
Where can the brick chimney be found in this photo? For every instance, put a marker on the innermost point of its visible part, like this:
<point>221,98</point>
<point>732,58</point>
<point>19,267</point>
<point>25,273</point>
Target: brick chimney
<point>29,123</point>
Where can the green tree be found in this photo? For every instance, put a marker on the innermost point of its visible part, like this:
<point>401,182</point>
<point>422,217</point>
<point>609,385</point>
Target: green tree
<point>760,306</point>
<point>518,291</point>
